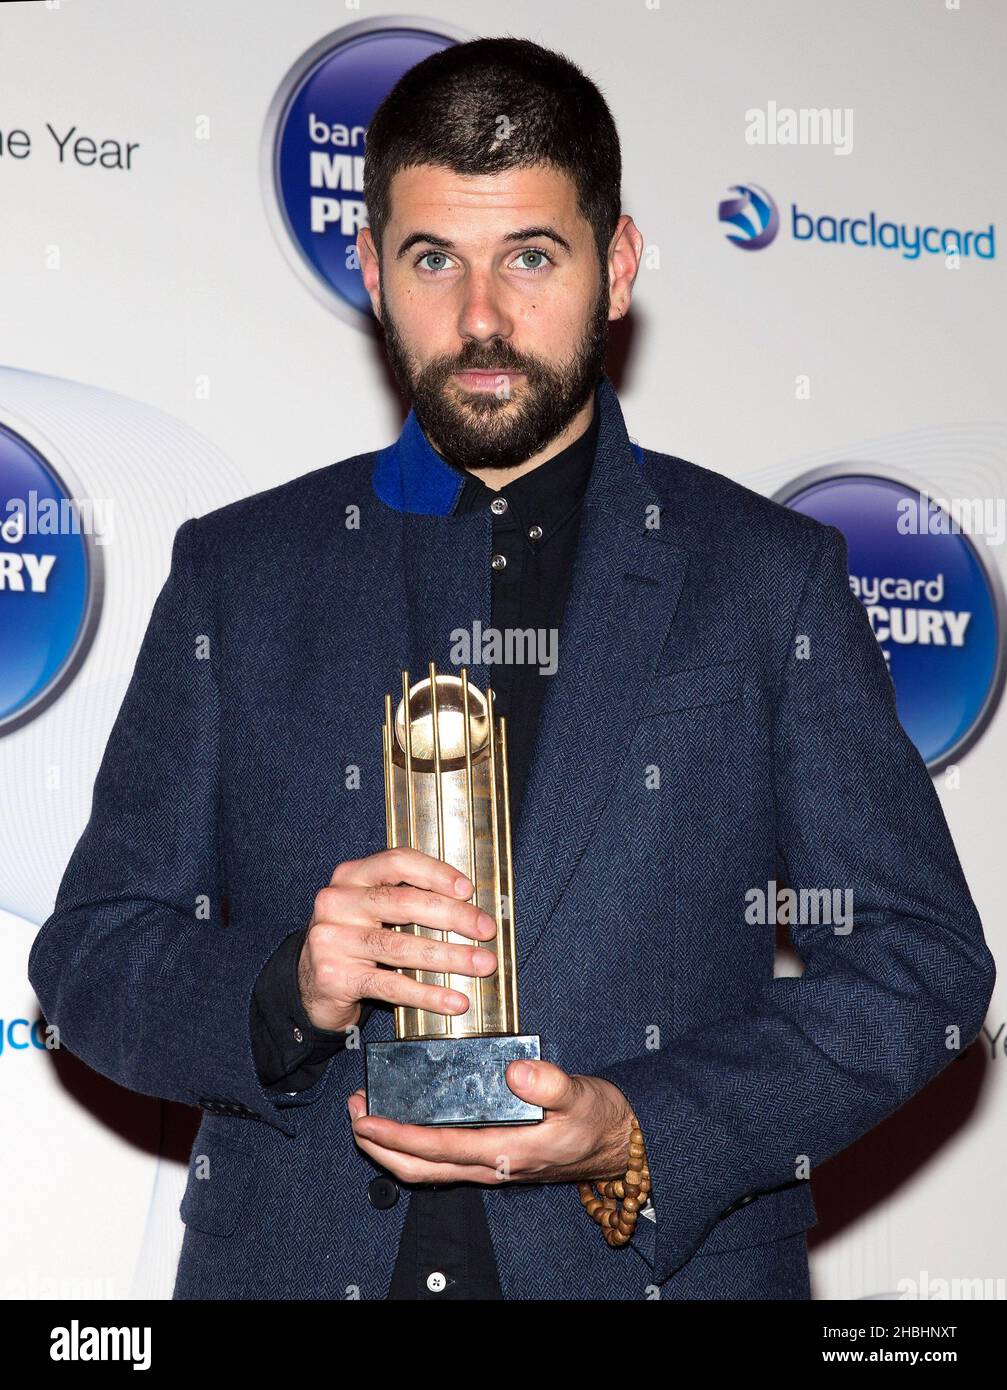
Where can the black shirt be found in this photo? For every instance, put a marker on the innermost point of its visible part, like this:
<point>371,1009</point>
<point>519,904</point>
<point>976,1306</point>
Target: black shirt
<point>536,525</point>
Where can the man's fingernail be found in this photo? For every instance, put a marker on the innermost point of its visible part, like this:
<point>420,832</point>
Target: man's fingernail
<point>523,1075</point>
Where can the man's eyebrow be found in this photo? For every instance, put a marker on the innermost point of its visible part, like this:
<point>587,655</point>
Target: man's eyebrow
<point>529,234</point>
<point>522,234</point>
<point>414,237</point>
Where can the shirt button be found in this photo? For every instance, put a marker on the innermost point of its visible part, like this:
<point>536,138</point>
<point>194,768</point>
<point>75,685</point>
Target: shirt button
<point>436,1282</point>
<point>498,562</point>
<point>382,1193</point>
<point>298,1035</point>
<point>498,506</point>
<point>535,532</point>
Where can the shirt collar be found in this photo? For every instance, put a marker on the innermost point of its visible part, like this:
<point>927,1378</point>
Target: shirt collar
<point>411,476</point>
<point>544,494</point>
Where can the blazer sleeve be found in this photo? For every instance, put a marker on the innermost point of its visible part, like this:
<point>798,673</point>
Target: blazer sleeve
<point>729,1110</point>
<point>146,976</point>
<point>279,1019</point>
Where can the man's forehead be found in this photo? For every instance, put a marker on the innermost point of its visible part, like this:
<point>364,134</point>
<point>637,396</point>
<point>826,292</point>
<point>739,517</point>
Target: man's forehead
<point>427,189</point>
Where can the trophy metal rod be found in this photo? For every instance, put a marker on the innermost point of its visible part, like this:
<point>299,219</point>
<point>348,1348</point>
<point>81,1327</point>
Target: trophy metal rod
<point>471,817</point>
<point>393,837</point>
<point>410,802</point>
<point>498,942</point>
<point>438,787</point>
<point>511,943</point>
<point>391,830</point>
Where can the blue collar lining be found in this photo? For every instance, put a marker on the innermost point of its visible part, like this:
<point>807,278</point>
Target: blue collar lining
<point>411,476</point>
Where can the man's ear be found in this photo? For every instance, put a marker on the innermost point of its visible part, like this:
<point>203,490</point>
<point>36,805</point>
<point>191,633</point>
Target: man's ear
<point>370,268</point>
<point>625,253</point>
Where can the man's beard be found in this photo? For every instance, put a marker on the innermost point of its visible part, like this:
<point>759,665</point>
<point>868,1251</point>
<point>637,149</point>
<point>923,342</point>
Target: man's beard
<point>479,429</point>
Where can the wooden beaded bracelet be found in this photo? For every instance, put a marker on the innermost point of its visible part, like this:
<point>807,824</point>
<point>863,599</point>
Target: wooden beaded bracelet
<point>618,1222</point>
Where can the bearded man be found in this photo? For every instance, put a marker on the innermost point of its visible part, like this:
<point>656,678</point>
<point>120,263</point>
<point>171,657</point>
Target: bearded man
<point>719,717</point>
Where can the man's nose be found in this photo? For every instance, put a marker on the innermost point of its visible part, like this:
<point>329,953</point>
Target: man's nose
<point>482,315</point>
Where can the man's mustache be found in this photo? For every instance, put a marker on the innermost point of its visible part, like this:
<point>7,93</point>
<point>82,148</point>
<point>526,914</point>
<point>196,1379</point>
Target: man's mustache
<point>528,368</point>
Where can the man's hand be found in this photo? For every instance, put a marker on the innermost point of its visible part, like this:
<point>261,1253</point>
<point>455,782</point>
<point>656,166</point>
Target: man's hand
<point>347,944</point>
<point>584,1136</point>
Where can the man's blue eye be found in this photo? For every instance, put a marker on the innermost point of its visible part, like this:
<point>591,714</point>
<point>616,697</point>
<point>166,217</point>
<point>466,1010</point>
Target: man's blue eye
<point>427,254</point>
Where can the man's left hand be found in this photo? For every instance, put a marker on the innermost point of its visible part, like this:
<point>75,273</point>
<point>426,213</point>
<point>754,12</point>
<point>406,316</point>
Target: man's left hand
<point>584,1136</point>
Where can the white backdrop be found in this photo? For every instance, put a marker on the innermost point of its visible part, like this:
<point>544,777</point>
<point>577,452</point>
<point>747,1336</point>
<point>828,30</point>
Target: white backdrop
<point>156,338</point>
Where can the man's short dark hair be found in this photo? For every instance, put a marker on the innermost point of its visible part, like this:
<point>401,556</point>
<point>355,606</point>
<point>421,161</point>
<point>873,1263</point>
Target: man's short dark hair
<point>494,104</point>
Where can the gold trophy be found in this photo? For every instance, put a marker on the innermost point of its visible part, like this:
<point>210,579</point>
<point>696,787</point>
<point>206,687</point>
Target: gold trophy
<point>446,793</point>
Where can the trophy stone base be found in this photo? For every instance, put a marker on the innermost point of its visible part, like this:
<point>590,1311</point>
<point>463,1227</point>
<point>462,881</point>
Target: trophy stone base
<point>449,1081</point>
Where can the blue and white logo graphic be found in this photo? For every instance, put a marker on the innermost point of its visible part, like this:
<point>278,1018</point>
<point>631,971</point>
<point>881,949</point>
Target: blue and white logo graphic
<point>755,218</point>
<point>753,215</point>
<point>934,602</point>
<point>50,582</point>
<point>314,146</point>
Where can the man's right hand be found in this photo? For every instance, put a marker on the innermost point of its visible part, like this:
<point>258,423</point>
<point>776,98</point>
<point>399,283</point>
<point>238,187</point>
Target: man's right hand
<point>347,943</point>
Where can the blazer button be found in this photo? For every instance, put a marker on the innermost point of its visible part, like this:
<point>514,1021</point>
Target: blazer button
<point>382,1193</point>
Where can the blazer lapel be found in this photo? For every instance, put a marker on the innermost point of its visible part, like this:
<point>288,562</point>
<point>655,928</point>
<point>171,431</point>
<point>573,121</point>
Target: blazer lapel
<point>444,571</point>
<point>624,591</point>
<point>447,580</point>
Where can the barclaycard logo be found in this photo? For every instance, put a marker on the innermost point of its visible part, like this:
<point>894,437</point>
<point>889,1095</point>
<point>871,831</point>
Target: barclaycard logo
<point>51,581</point>
<point>935,601</point>
<point>314,145</point>
<point>752,214</point>
<point>752,221</point>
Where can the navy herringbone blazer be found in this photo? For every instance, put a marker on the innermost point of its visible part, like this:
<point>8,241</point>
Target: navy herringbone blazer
<point>691,749</point>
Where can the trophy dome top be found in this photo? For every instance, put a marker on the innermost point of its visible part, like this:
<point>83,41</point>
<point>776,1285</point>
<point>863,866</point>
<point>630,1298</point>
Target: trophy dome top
<point>450,720</point>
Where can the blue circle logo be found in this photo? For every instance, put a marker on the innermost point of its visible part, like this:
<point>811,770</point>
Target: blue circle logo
<point>314,146</point>
<point>935,603</point>
<point>50,582</point>
<point>752,213</point>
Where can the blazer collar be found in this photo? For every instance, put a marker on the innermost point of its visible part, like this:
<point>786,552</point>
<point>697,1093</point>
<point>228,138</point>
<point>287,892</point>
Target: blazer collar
<point>411,476</point>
